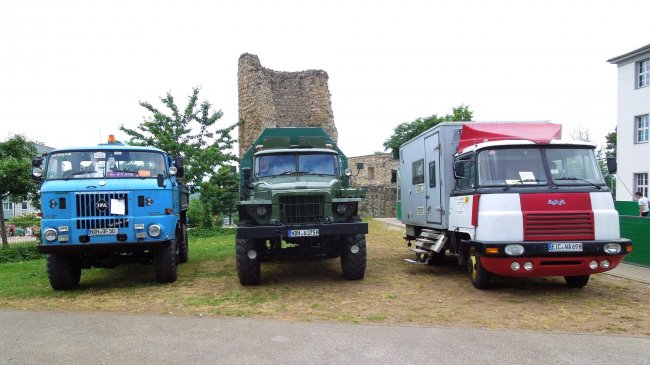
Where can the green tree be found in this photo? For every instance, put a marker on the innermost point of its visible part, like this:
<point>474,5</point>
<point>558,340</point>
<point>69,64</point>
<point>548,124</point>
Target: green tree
<point>407,131</point>
<point>16,184</point>
<point>203,150</point>
<point>199,214</point>
<point>222,192</point>
<point>610,144</point>
<point>608,151</point>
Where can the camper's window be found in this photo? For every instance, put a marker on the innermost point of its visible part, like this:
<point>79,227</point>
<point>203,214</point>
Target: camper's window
<point>468,181</point>
<point>432,174</point>
<point>418,172</point>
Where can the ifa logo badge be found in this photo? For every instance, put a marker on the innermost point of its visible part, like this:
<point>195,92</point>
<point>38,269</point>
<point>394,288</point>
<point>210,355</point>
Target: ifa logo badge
<point>556,202</point>
<point>101,205</point>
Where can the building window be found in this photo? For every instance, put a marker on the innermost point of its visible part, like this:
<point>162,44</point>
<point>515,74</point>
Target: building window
<point>7,205</point>
<point>641,127</point>
<point>641,183</point>
<point>24,205</point>
<point>643,73</point>
<point>371,173</point>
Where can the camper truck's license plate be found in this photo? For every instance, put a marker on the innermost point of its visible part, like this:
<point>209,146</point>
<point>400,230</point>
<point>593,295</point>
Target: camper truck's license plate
<point>303,233</point>
<point>102,231</point>
<point>565,247</point>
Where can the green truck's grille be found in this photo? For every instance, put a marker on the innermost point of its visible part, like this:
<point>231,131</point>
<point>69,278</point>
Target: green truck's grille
<point>301,208</point>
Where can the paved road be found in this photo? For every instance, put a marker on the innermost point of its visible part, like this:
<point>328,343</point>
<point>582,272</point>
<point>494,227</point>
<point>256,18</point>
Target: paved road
<point>97,338</point>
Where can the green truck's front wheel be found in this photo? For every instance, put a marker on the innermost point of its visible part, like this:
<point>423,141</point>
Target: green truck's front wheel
<point>353,257</point>
<point>248,261</point>
<point>64,271</point>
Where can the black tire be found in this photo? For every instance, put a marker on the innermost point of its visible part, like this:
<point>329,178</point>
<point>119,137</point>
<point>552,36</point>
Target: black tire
<point>183,247</point>
<point>248,269</point>
<point>165,263</point>
<point>479,276</point>
<point>353,264</point>
<point>64,271</point>
<point>577,281</point>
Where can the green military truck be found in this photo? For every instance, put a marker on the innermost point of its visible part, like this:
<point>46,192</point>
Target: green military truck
<point>296,201</point>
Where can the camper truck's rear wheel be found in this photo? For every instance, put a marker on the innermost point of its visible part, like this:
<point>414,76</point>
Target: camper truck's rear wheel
<point>479,276</point>
<point>248,261</point>
<point>64,271</point>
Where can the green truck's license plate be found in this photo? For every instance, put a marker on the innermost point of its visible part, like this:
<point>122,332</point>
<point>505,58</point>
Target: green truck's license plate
<point>303,233</point>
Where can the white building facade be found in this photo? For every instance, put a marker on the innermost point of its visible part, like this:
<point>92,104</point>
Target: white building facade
<point>633,123</point>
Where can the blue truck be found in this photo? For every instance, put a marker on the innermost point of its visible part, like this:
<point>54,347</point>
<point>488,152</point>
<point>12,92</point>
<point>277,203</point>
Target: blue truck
<point>111,204</point>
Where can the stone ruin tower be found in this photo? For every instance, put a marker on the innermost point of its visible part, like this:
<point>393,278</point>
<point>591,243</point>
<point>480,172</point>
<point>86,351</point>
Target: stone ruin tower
<point>270,99</point>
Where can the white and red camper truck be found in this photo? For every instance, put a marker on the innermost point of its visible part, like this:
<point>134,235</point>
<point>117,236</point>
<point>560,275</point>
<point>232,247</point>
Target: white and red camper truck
<point>509,199</point>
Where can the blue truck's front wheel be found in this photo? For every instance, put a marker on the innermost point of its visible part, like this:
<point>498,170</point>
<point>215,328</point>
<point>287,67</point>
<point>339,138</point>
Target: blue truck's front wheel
<point>165,263</point>
<point>63,270</point>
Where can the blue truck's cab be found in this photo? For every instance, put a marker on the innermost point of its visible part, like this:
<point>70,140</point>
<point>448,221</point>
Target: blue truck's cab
<point>110,204</point>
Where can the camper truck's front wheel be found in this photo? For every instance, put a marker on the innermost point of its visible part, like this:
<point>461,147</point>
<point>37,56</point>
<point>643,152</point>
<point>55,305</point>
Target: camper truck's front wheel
<point>477,273</point>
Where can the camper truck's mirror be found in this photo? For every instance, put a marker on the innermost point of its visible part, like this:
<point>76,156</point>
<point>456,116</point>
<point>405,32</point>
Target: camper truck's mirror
<point>611,165</point>
<point>459,169</point>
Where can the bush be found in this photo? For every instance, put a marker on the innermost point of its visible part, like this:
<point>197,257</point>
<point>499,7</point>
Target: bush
<point>24,221</point>
<point>17,253</point>
<point>209,232</point>
<point>199,214</point>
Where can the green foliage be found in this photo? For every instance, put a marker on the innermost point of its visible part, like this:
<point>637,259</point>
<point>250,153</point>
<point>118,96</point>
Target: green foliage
<point>203,150</point>
<point>610,144</point>
<point>407,131</point>
<point>19,252</point>
<point>221,192</point>
<point>608,151</point>
<point>16,183</point>
<point>200,214</point>
<point>25,221</point>
<point>200,232</point>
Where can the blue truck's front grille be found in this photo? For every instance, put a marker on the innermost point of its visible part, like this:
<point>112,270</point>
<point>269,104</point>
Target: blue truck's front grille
<point>94,210</point>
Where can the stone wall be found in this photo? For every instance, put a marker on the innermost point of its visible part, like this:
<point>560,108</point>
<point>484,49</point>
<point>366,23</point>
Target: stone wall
<point>269,99</point>
<point>376,177</point>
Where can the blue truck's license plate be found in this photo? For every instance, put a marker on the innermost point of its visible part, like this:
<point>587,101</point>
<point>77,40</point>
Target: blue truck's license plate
<point>102,231</point>
<point>303,233</point>
<point>565,247</point>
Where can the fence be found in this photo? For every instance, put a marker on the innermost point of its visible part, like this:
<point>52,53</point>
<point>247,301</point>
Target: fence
<point>637,229</point>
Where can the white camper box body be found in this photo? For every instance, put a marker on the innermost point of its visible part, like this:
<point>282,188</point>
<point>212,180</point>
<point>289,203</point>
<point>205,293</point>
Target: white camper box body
<point>431,154</point>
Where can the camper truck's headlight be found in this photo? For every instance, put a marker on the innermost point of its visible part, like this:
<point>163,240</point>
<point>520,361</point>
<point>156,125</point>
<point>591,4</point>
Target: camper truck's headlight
<point>50,234</point>
<point>260,211</point>
<point>514,250</point>
<point>154,230</point>
<point>612,248</point>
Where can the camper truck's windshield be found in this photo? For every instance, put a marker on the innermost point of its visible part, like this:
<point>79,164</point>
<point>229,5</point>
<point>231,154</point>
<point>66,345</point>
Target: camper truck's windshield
<point>111,164</point>
<point>534,166</point>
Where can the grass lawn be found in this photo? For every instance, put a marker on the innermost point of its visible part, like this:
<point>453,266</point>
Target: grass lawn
<point>392,292</point>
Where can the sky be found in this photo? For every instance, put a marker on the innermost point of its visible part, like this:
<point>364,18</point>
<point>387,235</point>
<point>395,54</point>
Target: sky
<point>72,72</point>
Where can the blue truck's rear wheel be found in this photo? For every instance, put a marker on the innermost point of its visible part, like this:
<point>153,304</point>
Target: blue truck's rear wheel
<point>248,261</point>
<point>165,263</point>
<point>183,249</point>
<point>64,271</point>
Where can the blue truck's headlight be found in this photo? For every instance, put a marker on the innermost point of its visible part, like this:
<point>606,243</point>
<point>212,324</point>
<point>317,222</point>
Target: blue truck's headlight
<point>50,234</point>
<point>154,230</point>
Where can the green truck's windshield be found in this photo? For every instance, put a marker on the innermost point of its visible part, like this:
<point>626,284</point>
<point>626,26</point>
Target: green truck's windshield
<point>312,163</point>
<point>106,164</point>
<point>512,166</point>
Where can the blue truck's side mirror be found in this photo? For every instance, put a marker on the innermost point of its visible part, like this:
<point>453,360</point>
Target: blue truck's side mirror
<point>37,170</point>
<point>180,166</point>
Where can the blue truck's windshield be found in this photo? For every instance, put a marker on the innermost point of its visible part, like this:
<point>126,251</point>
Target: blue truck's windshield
<point>312,163</point>
<point>105,164</point>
